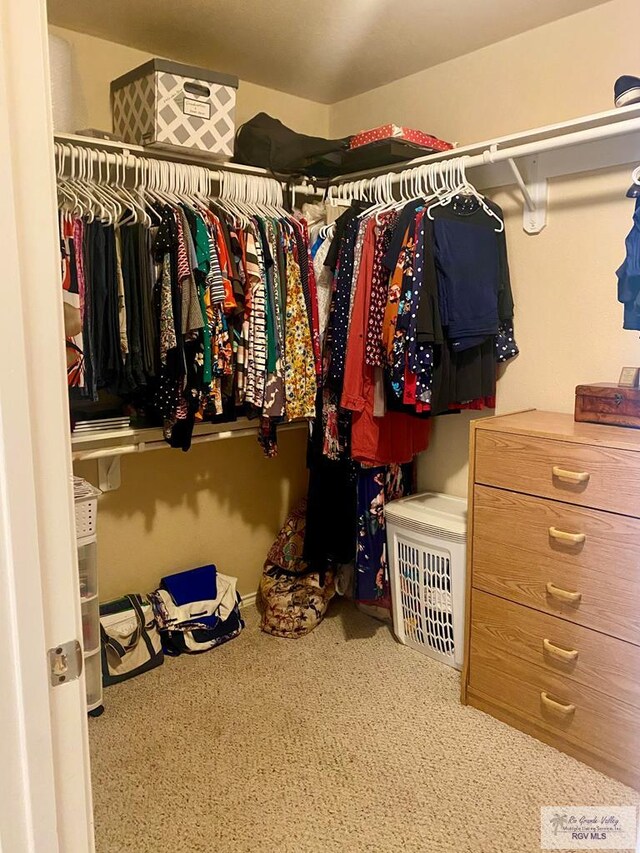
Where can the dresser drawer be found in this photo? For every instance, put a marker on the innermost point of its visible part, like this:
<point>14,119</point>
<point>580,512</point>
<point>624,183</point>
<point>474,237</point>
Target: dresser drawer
<point>601,477</point>
<point>520,553</point>
<point>595,661</point>
<point>565,708</point>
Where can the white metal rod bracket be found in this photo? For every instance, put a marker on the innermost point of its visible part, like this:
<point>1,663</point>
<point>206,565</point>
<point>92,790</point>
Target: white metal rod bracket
<point>109,474</point>
<point>535,192</point>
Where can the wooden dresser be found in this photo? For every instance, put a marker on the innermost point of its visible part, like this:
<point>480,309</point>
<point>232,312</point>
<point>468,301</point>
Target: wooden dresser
<point>553,584</point>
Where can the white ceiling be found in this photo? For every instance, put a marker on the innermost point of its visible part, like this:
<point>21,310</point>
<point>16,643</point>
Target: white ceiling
<point>324,50</point>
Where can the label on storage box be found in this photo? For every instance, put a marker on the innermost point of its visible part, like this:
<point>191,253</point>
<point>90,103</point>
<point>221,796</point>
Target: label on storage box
<point>201,109</point>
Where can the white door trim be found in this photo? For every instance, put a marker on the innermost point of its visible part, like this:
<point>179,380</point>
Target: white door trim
<point>46,800</point>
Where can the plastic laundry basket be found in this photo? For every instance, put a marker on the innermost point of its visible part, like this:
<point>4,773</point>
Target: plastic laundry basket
<point>426,542</point>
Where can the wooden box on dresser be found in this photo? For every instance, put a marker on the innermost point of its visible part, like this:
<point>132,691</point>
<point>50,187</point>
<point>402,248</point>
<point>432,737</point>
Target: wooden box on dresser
<point>552,643</point>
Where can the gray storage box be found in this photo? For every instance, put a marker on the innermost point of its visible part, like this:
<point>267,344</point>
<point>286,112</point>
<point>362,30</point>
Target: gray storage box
<point>166,103</point>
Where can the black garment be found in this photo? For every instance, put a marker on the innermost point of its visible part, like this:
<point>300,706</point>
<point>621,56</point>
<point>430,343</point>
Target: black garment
<point>332,504</point>
<point>134,376</point>
<point>182,430</point>
<point>330,532</point>
<point>149,333</point>
<point>102,282</point>
<point>172,373</point>
<point>339,226</point>
<point>88,326</point>
<point>338,326</point>
<point>406,217</point>
<point>114,363</point>
<point>97,286</point>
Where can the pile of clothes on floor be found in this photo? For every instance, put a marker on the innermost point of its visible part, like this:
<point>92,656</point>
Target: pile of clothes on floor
<point>191,611</point>
<point>196,610</point>
<point>292,598</point>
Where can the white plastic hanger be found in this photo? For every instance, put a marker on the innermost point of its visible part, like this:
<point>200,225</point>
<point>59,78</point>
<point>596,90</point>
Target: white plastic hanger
<point>457,183</point>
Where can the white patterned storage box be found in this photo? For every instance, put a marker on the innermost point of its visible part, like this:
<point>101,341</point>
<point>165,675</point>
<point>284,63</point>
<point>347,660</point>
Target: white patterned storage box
<point>165,103</point>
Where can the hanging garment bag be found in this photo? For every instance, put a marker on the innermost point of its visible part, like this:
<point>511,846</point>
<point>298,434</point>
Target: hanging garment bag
<point>130,642</point>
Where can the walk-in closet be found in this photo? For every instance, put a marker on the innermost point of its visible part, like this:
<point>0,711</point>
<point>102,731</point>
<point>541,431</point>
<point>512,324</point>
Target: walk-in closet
<point>320,426</point>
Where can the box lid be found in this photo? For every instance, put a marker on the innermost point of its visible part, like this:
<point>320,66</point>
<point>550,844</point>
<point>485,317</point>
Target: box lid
<point>436,510</point>
<point>170,67</point>
<point>607,390</point>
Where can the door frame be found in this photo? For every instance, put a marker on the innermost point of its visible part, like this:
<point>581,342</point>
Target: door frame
<point>46,802</point>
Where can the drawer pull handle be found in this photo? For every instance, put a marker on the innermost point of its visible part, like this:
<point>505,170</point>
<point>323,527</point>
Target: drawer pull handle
<point>571,476</point>
<point>563,594</point>
<point>563,654</point>
<point>563,536</point>
<point>559,707</point>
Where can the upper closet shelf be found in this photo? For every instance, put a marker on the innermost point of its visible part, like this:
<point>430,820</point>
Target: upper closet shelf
<point>304,186</point>
<point>177,155</point>
<point>530,158</point>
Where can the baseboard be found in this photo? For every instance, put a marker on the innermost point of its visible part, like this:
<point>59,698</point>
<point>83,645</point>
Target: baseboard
<point>248,600</point>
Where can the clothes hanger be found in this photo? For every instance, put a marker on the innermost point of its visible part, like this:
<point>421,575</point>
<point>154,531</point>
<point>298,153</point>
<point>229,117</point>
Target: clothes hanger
<point>467,185</point>
<point>222,200</point>
<point>257,190</point>
<point>99,186</point>
<point>374,191</point>
<point>104,187</point>
<point>147,190</point>
<point>388,201</point>
<point>160,180</point>
<point>66,197</point>
<point>237,186</point>
<point>458,174</point>
<point>80,204</point>
<point>138,212</point>
<point>138,191</point>
<point>94,204</point>
<point>199,185</point>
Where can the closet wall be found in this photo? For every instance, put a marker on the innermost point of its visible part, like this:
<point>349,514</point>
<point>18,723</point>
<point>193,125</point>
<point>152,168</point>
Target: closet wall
<point>223,501</point>
<point>568,323</point>
<point>97,62</point>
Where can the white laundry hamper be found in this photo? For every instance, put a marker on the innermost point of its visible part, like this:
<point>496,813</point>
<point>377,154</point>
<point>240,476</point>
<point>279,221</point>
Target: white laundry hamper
<point>427,543</point>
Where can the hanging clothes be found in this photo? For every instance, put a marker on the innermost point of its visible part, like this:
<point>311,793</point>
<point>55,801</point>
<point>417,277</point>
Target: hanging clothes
<point>196,317</point>
<point>376,487</point>
<point>420,313</point>
<point>629,275</point>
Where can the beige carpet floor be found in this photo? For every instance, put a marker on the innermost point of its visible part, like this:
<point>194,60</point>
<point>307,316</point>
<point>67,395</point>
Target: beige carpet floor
<point>341,741</point>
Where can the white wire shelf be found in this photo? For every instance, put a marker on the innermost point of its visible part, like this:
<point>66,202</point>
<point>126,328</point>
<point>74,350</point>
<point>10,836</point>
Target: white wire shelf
<point>109,447</point>
<point>530,158</point>
<point>605,125</point>
<point>527,158</point>
<point>121,442</point>
<point>175,154</point>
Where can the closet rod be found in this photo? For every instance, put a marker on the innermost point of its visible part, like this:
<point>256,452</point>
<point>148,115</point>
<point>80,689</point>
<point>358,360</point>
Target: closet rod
<point>493,154</point>
<point>108,148</point>
<point>158,444</point>
<point>608,140</point>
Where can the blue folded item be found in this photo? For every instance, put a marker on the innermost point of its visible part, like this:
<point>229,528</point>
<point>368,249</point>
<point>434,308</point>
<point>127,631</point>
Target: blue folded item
<point>193,585</point>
